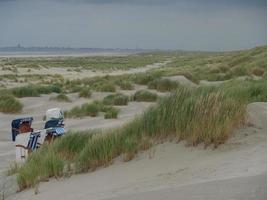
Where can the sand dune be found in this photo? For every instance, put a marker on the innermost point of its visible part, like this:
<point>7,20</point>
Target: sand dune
<point>235,170</point>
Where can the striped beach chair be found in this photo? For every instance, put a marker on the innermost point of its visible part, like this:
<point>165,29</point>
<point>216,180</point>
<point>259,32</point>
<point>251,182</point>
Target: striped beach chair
<point>28,142</point>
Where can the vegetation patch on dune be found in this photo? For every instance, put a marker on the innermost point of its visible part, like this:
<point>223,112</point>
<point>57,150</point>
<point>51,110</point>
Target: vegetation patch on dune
<point>116,99</point>
<point>60,98</point>
<point>163,85</point>
<point>85,92</point>
<point>145,78</point>
<point>92,110</point>
<point>112,113</point>
<point>145,95</point>
<point>34,91</point>
<point>86,109</point>
<point>125,85</point>
<point>107,87</point>
<point>219,66</point>
<point>9,104</point>
<point>203,115</point>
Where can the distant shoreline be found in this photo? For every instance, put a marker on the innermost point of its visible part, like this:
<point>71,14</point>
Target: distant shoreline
<point>61,54</point>
<point>19,51</point>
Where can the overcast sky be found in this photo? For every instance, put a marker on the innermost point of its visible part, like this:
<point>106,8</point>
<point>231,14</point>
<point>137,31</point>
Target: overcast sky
<point>162,24</point>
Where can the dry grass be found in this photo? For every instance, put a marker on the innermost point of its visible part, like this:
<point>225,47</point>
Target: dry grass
<point>202,115</point>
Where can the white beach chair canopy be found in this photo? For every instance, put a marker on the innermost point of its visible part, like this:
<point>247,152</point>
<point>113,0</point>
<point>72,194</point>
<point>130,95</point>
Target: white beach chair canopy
<point>54,113</point>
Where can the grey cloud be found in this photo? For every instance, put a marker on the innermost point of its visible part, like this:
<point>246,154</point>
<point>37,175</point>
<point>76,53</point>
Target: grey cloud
<point>191,24</point>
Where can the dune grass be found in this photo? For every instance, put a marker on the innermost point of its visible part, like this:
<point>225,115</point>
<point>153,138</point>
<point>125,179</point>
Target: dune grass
<point>163,85</point>
<point>85,92</point>
<point>218,66</point>
<point>86,109</point>
<point>125,85</point>
<point>145,78</point>
<point>112,113</point>
<point>107,87</point>
<point>60,98</point>
<point>8,103</point>
<point>34,91</point>
<point>249,91</point>
<point>144,95</point>
<point>116,99</point>
<point>203,115</point>
<point>92,110</point>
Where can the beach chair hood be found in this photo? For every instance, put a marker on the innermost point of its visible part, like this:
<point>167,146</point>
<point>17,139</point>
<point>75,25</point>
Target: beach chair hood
<point>54,113</point>
<point>16,123</point>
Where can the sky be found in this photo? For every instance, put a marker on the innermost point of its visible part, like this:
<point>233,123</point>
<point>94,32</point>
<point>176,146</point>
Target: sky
<point>209,25</point>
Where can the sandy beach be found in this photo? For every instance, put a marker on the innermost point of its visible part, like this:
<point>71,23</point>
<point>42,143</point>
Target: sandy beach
<point>133,100</point>
<point>191,173</point>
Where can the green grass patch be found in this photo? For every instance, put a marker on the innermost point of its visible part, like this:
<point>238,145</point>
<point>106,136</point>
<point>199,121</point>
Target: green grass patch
<point>125,85</point>
<point>86,109</point>
<point>203,115</point>
<point>36,170</point>
<point>145,95</point>
<point>85,92</point>
<point>92,110</point>
<point>163,85</point>
<point>112,113</point>
<point>9,104</point>
<point>107,87</point>
<point>34,91</point>
<point>116,99</point>
<point>145,78</point>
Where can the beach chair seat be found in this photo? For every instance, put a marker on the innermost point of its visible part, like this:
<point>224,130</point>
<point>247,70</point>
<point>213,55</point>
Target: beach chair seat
<point>28,142</point>
<point>21,144</point>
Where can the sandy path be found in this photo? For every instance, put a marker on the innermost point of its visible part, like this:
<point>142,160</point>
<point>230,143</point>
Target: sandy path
<point>171,169</point>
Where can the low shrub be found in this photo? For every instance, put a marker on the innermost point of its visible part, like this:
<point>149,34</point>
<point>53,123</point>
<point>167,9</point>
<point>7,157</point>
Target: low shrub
<point>144,95</point>
<point>111,113</point>
<point>257,71</point>
<point>126,85</point>
<point>85,92</point>
<point>145,78</point>
<point>34,91</point>
<point>238,71</point>
<point>116,99</point>
<point>87,109</point>
<point>163,85</point>
<point>107,87</point>
<point>25,91</point>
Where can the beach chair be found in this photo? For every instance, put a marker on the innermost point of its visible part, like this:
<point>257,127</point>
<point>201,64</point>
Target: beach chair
<point>54,113</point>
<point>28,142</point>
<point>55,124</point>
<point>19,126</point>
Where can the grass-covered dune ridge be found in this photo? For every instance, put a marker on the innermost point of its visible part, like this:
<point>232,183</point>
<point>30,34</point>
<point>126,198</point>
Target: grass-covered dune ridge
<point>204,115</point>
<point>219,66</point>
